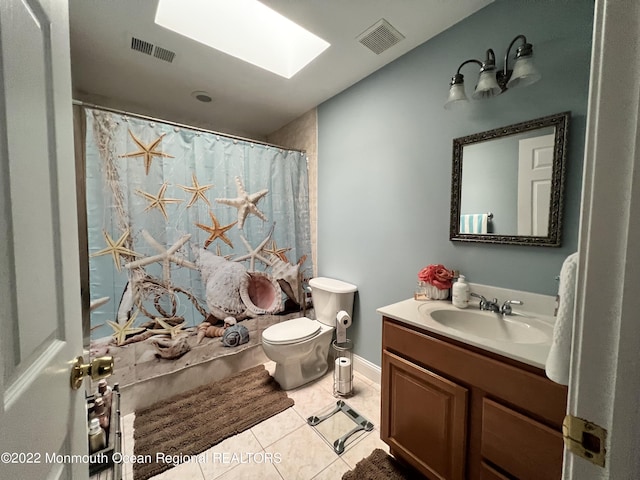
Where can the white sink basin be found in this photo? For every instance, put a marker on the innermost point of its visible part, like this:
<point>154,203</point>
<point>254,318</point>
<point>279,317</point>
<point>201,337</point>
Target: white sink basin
<point>492,326</point>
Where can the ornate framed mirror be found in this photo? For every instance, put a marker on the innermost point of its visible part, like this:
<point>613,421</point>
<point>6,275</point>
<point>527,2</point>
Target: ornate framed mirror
<point>507,184</point>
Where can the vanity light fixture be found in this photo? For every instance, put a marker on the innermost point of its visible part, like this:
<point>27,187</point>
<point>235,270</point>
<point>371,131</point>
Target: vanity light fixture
<point>492,82</point>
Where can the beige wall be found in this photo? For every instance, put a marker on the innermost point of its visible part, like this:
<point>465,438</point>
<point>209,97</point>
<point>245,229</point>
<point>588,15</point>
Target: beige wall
<point>302,134</point>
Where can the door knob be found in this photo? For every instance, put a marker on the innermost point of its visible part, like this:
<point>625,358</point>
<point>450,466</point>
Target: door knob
<point>98,368</point>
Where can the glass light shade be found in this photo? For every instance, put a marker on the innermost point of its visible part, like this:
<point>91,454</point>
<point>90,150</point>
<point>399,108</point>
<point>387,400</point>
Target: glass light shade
<point>487,85</point>
<point>457,97</point>
<point>524,73</point>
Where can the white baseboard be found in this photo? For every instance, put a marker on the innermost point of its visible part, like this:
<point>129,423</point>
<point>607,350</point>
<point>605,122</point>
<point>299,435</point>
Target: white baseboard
<point>367,369</point>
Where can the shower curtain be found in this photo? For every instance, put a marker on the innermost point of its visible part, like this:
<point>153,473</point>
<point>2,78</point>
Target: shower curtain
<point>157,194</point>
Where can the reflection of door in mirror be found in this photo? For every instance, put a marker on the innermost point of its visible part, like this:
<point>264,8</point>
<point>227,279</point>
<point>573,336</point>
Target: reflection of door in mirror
<point>535,169</point>
<point>496,181</point>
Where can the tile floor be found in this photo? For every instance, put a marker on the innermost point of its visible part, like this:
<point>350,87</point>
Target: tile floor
<point>297,449</point>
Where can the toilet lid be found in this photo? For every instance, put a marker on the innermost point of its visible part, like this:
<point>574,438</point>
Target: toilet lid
<point>291,331</point>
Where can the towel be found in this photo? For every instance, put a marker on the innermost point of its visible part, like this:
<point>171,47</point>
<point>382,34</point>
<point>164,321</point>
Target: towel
<point>559,359</point>
<point>235,335</point>
<point>474,223</point>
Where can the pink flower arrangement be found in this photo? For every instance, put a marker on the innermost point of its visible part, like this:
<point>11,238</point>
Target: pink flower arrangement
<point>436,275</point>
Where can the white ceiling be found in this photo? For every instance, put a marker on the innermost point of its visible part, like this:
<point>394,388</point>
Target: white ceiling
<point>247,100</point>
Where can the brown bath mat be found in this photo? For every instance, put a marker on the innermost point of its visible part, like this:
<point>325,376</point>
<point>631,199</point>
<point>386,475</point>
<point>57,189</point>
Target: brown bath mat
<point>380,466</point>
<point>190,423</point>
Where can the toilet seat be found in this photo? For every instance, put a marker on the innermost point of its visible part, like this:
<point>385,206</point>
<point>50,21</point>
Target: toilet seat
<point>291,331</point>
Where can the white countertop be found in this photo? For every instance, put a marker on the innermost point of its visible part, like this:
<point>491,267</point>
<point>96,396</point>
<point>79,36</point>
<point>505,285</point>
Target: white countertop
<point>416,313</point>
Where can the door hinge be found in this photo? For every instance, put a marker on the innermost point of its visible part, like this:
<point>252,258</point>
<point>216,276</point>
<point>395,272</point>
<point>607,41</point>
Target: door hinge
<point>585,439</point>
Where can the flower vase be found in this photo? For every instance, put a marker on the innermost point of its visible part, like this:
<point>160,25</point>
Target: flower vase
<point>434,293</point>
<point>426,291</point>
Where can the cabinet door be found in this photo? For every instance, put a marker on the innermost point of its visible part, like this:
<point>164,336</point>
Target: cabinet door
<point>424,418</point>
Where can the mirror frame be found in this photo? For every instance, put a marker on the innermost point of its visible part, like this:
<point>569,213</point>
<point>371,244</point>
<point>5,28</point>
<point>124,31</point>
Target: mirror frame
<point>561,122</point>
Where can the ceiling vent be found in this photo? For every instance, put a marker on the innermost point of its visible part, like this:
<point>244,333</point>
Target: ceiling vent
<point>151,49</point>
<point>380,36</point>
<point>141,46</point>
<point>164,54</point>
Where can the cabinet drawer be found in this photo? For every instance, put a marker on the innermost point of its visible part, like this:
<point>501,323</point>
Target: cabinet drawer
<point>521,446</point>
<point>489,473</point>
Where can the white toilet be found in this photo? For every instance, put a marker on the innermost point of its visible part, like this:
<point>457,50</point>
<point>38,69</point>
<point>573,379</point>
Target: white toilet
<point>300,347</point>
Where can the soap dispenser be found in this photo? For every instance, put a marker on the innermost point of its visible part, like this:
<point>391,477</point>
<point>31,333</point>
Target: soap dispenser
<point>460,293</point>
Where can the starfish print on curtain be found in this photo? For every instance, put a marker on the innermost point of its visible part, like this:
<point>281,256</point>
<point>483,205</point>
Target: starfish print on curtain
<point>116,249</point>
<point>174,331</point>
<point>165,256</point>
<point>158,201</point>
<point>245,203</point>
<point>196,191</point>
<point>278,252</point>
<point>146,151</point>
<point>219,253</point>
<point>216,231</point>
<point>120,332</point>
<point>253,254</point>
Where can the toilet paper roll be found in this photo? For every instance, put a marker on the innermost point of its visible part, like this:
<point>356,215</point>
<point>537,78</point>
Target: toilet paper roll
<point>337,370</point>
<point>343,318</point>
<point>344,388</point>
<point>343,369</point>
<point>343,321</point>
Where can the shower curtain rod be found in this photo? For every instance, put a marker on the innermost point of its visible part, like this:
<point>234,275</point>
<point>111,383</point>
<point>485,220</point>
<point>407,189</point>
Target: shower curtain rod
<point>181,125</point>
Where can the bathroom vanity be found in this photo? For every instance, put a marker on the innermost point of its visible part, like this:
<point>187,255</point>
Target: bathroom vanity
<point>458,406</point>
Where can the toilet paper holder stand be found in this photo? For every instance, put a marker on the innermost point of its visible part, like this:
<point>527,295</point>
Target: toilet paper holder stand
<point>343,369</point>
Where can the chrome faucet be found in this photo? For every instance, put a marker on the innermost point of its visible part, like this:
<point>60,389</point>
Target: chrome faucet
<point>505,309</point>
<point>491,305</point>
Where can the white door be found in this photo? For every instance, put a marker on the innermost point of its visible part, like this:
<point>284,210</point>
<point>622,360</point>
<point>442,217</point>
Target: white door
<point>605,381</point>
<point>40,312</point>
<point>535,169</point>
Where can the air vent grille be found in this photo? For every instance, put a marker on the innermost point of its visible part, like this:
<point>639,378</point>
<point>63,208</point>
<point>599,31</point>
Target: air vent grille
<point>380,36</point>
<point>151,49</point>
<point>141,46</point>
<point>164,54</point>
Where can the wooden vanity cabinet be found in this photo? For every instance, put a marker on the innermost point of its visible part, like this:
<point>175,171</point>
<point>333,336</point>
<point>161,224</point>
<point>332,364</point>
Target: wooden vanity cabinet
<point>456,412</point>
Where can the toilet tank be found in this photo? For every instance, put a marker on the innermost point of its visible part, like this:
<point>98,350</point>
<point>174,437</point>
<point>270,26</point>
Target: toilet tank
<point>329,297</point>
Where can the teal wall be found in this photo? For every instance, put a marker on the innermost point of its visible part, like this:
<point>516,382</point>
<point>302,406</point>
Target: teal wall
<point>384,159</point>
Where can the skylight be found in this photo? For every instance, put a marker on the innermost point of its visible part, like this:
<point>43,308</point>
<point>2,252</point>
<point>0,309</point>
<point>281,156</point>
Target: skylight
<point>245,29</point>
